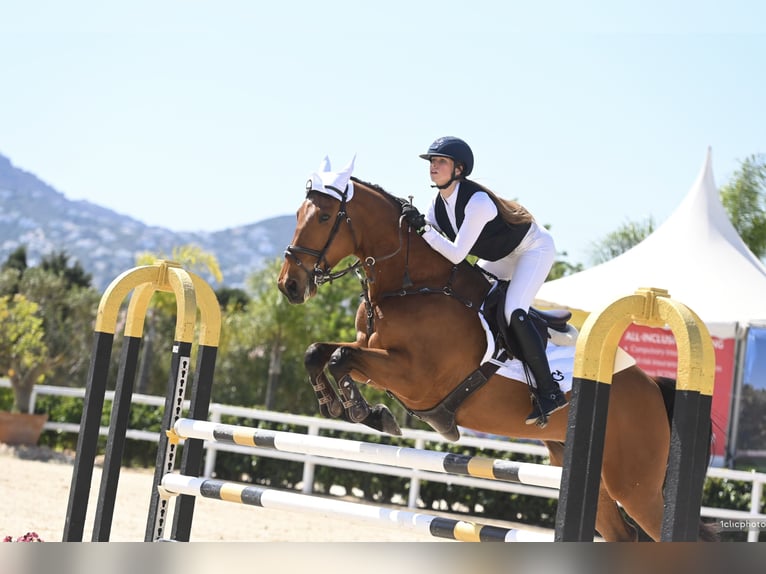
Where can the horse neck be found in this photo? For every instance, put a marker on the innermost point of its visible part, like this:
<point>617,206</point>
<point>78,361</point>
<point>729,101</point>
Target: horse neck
<point>426,269</point>
<point>399,254</point>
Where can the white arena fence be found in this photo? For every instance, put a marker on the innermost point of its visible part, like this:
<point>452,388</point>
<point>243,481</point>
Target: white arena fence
<point>418,439</point>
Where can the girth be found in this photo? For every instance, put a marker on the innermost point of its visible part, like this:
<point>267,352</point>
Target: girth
<point>442,417</point>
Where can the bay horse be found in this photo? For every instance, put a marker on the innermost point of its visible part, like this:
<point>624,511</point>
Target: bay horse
<point>419,337</point>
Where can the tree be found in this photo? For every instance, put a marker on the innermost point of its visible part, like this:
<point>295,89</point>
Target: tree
<point>17,260</point>
<point>744,198</point>
<point>561,268</point>
<point>619,241</point>
<point>64,306</point>
<point>57,263</point>
<point>232,296</point>
<point>161,315</point>
<point>68,313</point>
<point>23,352</point>
<point>262,345</point>
<point>12,270</point>
<point>190,257</point>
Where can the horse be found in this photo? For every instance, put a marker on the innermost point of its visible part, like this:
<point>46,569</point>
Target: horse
<point>419,337</point>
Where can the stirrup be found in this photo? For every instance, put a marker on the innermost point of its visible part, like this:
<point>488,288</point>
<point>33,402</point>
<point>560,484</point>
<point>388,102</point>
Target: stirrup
<point>553,402</point>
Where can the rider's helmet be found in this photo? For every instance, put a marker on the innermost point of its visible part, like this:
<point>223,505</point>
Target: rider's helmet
<point>453,148</point>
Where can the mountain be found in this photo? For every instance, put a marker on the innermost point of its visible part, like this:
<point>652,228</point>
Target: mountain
<point>105,243</point>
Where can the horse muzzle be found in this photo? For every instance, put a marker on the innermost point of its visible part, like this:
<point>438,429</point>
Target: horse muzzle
<point>297,290</point>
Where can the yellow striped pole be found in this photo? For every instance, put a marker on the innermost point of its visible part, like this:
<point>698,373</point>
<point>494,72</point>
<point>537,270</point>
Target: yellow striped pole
<point>359,451</point>
<point>435,526</point>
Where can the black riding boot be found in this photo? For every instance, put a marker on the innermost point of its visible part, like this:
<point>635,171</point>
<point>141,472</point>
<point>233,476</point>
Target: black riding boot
<point>549,397</point>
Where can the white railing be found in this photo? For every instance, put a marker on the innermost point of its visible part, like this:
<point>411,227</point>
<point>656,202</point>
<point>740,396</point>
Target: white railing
<point>418,439</point>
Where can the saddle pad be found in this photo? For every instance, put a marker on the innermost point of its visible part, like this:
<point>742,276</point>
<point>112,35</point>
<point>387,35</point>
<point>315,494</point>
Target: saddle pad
<point>560,359</point>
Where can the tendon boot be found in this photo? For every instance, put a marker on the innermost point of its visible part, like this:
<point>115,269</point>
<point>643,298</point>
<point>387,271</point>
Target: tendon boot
<point>548,399</point>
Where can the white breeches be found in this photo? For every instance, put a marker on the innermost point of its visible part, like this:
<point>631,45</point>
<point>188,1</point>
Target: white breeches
<point>526,267</point>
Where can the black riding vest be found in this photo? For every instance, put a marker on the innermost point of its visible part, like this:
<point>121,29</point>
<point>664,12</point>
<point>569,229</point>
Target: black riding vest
<point>496,240</point>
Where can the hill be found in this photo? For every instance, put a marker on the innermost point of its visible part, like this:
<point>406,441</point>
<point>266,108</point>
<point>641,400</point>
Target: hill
<point>106,243</point>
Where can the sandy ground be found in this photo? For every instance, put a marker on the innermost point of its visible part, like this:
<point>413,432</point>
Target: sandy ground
<point>34,493</point>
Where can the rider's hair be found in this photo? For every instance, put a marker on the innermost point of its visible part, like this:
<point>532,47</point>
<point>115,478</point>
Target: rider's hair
<point>511,211</point>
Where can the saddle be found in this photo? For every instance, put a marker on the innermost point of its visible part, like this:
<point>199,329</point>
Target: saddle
<point>493,310</point>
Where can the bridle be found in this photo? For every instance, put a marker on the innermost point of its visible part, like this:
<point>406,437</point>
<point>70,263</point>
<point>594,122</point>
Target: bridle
<point>322,272</point>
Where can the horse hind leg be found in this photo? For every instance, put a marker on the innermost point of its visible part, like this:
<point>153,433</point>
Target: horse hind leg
<point>610,522</point>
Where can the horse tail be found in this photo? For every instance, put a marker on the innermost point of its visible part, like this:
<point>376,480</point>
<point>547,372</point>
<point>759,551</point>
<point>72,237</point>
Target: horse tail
<point>707,531</point>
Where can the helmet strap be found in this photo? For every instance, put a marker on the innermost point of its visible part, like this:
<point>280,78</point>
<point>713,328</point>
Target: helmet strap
<point>451,179</point>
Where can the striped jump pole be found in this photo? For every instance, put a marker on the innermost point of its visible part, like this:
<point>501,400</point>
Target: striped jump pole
<point>403,457</point>
<point>435,526</point>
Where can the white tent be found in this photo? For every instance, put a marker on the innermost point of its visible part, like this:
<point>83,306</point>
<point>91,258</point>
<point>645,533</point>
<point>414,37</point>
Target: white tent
<point>696,255</point>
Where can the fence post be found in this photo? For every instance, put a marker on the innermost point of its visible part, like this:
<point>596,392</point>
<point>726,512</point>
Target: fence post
<point>691,425</point>
<point>586,424</point>
<point>143,281</point>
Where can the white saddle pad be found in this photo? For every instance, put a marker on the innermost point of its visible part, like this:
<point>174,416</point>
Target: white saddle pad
<point>561,360</point>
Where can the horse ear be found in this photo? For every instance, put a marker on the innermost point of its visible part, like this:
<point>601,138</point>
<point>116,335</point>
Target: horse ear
<point>343,177</point>
<point>348,170</point>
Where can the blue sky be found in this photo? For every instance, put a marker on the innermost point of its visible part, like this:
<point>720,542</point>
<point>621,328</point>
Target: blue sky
<point>199,115</point>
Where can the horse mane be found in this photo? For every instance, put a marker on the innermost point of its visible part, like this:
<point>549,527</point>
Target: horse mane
<point>398,201</point>
<point>469,281</point>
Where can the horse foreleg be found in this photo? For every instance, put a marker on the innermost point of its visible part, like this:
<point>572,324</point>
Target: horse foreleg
<point>610,523</point>
<point>315,360</point>
<point>358,410</point>
<point>356,407</point>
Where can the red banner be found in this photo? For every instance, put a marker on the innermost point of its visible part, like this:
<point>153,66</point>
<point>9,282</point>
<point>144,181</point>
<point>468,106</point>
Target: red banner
<point>655,352</point>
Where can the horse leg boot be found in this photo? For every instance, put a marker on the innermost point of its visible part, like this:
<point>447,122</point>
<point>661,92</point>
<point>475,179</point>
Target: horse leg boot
<point>358,409</point>
<point>548,398</point>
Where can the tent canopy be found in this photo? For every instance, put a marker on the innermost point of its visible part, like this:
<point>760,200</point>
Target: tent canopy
<point>696,255</point>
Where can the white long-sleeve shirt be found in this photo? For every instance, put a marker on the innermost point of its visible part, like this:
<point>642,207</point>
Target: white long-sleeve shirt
<point>479,211</point>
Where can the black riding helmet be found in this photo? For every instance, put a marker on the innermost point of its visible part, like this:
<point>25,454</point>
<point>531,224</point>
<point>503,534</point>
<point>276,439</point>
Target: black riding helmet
<point>455,149</point>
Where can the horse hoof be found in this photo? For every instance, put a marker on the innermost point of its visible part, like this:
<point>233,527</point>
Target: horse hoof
<point>330,409</point>
<point>358,413</point>
<point>385,420</point>
<point>336,409</point>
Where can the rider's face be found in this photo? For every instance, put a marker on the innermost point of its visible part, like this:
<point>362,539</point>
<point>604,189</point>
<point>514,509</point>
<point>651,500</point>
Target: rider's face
<point>441,169</point>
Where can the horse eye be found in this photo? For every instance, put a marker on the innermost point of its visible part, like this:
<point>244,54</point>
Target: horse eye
<point>323,217</point>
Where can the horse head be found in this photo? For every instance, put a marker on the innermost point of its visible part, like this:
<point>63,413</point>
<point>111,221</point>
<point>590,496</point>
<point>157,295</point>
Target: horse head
<point>340,216</point>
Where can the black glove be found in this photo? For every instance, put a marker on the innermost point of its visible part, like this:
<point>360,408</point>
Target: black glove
<point>416,219</point>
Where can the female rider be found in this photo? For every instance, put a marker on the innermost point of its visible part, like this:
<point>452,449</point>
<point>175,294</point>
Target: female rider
<point>465,218</point>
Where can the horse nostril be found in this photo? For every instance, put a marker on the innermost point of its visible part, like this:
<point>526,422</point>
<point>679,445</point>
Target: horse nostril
<point>291,286</point>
